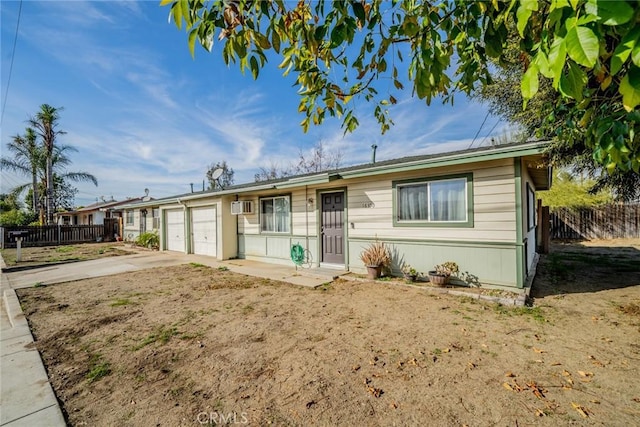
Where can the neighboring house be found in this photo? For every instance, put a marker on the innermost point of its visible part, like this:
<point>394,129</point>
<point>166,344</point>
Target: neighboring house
<point>475,207</point>
<point>93,214</point>
<point>141,217</point>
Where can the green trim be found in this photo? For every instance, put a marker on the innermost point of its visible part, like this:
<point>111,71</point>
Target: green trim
<point>467,224</point>
<point>275,233</point>
<point>531,209</point>
<point>345,226</point>
<point>484,156</point>
<point>187,230</point>
<point>465,243</point>
<point>517,165</point>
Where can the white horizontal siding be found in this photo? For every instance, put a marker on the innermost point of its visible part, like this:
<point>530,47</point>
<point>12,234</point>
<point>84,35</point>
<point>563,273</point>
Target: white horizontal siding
<point>370,206</point>
<point>493,206</point>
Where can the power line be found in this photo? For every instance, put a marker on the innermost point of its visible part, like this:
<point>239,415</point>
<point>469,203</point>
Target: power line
<point>478,133</point>
<point>494,126</point>
<point>13,53</point>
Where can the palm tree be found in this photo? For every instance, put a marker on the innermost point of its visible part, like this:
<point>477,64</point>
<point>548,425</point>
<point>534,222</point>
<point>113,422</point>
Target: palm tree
<point>45,124</point>
<point>26,158</point>
<point>37,167</point>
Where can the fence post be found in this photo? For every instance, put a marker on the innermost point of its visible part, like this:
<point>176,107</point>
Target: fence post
<point>59,238</point>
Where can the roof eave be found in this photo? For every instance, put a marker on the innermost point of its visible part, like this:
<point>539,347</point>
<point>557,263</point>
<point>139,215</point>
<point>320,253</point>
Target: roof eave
<point>451,160</point>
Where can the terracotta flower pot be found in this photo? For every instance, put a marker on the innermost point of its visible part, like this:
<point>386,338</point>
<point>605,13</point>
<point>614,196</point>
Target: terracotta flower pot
<point>438,279</point>
<point>373,271</point>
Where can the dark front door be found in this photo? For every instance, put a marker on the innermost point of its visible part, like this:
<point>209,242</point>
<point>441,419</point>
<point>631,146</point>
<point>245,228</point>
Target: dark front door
<point>332,228</point>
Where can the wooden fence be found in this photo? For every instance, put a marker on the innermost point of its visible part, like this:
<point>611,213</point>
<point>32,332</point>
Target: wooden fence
<point>608,222</point>
<point>53,235</point>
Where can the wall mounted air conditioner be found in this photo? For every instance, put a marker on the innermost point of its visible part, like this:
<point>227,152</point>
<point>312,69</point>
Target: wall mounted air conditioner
<point>242,207</point>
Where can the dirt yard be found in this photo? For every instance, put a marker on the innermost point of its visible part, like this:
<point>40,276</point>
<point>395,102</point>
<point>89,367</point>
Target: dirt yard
<point>34,256</point>
<point>190,345</point>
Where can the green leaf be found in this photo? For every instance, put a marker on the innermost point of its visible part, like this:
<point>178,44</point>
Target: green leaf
<point>338,35</point>
<point>176,12</point>
<point>255,69</point>
<point>527,7</point>
<point>610,12</point>
<point>358,10</point>
<point>635,55</point>
<point>572,84</point>
<point>492,43</point>
<point>165,2</point>
<point>529,84</point>
<point>192,41</point>
<point>275,41</point>
<point>624,49</point>
<point>630,89</point>
<point>558,4</point>
<point>410,26</point>
<point>582,46</point>
<point>542,62</point>
<point>261,40</point>
<point>557,56</point>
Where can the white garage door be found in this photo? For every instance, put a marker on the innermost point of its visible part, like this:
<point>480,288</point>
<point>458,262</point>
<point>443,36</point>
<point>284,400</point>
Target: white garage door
<point>203,223</point>
<point>174,219</point>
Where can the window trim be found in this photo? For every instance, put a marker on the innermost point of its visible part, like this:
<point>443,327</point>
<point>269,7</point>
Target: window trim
<point>155,218</point>
<point>531,208</point>
<point>290,223</point>
<point>426,180</point>
<point>126,219</point>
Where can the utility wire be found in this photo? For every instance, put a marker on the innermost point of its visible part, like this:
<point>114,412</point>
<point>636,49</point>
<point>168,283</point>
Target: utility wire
<point>494,126</point>
<point>478,133</point>
<point>13,53</point>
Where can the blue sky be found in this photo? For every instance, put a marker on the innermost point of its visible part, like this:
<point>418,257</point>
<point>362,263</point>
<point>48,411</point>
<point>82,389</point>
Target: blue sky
<point>144,114</point>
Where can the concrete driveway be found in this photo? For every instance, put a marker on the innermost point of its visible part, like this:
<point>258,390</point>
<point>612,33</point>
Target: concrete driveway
<point>95,268</point>
<point>144,260</point>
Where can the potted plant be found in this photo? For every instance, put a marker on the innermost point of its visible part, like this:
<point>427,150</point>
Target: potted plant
<point>442,272</point>
<point>409,273</point>
<point>374,257</point>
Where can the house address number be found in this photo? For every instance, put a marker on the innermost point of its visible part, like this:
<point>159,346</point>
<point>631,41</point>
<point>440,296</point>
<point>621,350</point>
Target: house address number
<point>368,205</point>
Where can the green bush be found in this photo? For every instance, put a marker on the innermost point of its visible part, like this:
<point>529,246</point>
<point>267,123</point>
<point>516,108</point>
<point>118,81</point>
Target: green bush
<point>148,240</point>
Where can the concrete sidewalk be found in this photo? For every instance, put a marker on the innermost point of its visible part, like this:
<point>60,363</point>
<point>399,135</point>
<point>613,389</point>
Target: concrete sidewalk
<point>26,396</point>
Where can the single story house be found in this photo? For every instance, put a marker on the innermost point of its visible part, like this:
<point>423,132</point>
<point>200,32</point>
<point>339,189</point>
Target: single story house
<point>93,214</point>
<point>145,218</point>
<point>476,207</point>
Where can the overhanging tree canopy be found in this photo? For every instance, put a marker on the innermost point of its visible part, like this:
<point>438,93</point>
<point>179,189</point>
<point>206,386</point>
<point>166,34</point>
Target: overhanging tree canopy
<point>338,50</point>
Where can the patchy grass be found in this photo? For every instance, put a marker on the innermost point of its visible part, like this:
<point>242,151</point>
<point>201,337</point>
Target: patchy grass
<point>122,301</point>
<point>197,265</point>
<point>98,369</point>
<point>162,335</point>
<point>35,256</point>
<point>223,268</point>
<point>535,313</point>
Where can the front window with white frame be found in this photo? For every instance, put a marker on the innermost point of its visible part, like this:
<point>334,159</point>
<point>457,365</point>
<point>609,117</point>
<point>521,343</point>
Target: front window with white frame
<point>155,212</point>
<point>275,214</point>
<point>433,201</point>
<point>129,217</point>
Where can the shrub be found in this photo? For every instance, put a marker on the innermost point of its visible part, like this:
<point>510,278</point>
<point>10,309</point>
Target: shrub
<point>148,240</point>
